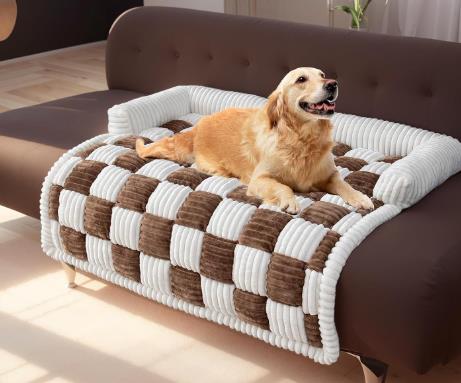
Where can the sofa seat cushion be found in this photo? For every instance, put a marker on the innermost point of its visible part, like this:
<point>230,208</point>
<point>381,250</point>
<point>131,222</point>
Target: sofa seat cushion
<point>63,123</point>
<point>33,138</point>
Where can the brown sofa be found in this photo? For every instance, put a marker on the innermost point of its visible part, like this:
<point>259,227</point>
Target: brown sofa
<point>399,294</point>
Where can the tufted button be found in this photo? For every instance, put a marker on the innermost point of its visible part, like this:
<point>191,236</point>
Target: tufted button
<point>374,83</point>
<point>246,62</point>
<point>428,92</point>
<point>210,57</point>
<point>137,49</point>
<point>176,54</point>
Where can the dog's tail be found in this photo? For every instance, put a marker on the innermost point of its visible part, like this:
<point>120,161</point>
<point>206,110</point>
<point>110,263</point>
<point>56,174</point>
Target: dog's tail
<point>179,147</point>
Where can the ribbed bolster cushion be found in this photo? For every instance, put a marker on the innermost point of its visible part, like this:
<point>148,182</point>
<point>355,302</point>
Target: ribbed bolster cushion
<point>146,112</point>
<point>204,100</point>
<point>154,110</point>
<point>411,178</point>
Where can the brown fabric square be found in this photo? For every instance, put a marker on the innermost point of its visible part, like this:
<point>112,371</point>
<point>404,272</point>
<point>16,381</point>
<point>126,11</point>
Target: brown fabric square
<point>362,181</point>
<point>251,308</point>
<point>83,175</point>
<point>130,141</point>
<point>285,280</point>
<point>186,284</point>
<point>130,161</point>
<point>340,149</point>
<point>324,213</point>
<point>73,242</point>
<point>391,159</point>
<point>97,216</point>
<point>187,177</point>
<point>176,125</point>
<point>320,256</point>
<point>350,163</point>
<point>240,194</point>
<point>311,325</point>
<point>197,209</point>
<point>126,262</point>
<point>53,201</point>
<point>314,196</point>
<point>136,192</point>
<point>263,229</point>
<point>86,152</point>
<point>217,258</point>
<point>155,236</point>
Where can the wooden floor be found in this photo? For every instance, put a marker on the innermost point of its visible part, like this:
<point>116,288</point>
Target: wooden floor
<point>102,333</point>
<point>51,76</point>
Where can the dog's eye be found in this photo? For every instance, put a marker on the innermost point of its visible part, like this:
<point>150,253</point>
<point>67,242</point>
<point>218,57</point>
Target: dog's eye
<point>301,79</point>
<point>322,75</point>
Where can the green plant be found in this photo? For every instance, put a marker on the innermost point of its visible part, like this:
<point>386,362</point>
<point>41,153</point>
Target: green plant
<point>356,11</point>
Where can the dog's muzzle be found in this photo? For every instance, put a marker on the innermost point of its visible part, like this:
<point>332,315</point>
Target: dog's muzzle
<point>326,106</point>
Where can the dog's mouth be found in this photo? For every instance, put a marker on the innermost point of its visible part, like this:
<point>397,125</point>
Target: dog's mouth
<point>324,107</point>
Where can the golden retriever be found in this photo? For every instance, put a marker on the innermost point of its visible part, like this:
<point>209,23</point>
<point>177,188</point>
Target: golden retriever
<point>280,148</point>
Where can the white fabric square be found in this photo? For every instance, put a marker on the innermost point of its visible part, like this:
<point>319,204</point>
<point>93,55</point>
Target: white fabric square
<point>186,247</point>
<point>55,236</point>
<point>109,182</point>
<point>71,210</point>
<point>286,321</point>
<point>166,199</point>
<point>125,227</point>
<point>376,167</point>
<point>299,239</point>
<point>311,292</point>
<point>229,218</point>
<point>99,252</point>
<point>65,169</point>
<point>159,169</point>
<point>365,154</point>
<point>345,223</point>
<point>155,273</point>
<point>249,271</point>
<point>343,172</point>
<point>218,185</point>
<point>114,138</point>
<point>336,199</point>
<point>107,153</point>
<point>218,296</point>
<point>157,133</point>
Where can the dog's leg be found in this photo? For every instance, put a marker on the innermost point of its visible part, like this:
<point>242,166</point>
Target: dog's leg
<point>179,147</point>
<point>273,192</point>
<point>336,185</point>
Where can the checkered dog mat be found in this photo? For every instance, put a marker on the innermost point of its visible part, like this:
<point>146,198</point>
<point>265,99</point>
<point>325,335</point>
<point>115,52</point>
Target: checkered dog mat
<point>199,244</point>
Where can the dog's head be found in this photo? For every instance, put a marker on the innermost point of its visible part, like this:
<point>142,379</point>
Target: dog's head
<point>304,94</point>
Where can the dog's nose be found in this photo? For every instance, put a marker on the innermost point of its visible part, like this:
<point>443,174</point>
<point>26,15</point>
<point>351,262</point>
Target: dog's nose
<point>331,85</point>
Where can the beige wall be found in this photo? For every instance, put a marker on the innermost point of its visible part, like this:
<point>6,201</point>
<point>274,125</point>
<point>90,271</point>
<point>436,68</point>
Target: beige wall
<point>206,5</point>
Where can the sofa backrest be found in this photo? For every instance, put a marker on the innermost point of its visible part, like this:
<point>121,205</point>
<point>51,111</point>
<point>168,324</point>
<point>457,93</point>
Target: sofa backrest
<point>407,80</point>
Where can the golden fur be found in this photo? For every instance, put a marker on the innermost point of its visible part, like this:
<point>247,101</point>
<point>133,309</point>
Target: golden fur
<point>275,150</point>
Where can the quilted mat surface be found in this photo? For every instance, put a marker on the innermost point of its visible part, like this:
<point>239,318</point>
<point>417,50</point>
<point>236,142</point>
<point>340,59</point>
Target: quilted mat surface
<point>198,243</point>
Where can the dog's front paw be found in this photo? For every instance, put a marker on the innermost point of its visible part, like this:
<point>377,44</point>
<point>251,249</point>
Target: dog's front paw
<point>361,201</point>
<point>289,204</point>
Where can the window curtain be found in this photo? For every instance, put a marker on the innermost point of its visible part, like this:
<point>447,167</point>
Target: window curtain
<point>436,19</point>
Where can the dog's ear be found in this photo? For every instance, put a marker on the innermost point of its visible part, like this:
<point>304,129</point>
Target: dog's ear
<point>274,107</point>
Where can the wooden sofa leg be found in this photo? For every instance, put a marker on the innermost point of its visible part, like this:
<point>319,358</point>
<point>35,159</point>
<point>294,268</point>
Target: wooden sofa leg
<point>70,274</point>
<point>374,371</point>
